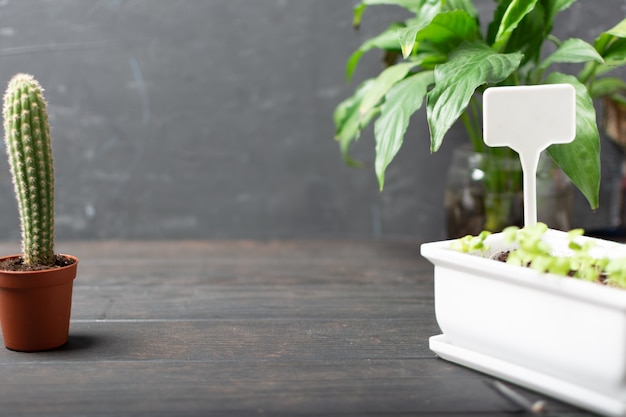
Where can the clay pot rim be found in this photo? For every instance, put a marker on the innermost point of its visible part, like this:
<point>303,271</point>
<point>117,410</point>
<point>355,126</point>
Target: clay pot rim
<point>40,278</point>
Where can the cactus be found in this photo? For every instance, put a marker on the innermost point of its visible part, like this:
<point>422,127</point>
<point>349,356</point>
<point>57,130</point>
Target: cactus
<point>27,138</point>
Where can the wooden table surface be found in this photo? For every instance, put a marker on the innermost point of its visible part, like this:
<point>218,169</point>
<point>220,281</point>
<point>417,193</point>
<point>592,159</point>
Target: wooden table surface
<point>180,328</point>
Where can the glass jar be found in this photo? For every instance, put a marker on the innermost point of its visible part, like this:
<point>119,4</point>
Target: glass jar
<point>484,192</point>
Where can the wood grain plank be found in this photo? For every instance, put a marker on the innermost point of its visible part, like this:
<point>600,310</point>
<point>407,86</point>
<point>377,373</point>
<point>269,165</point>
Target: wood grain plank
<point>333,388</point>
<point>254,279</point>
<point>353,367</point>
<point>234,270</point>
<point>194,271</point>
<point>270,301</point>
<point>366,250</point>
<point>243,340</point>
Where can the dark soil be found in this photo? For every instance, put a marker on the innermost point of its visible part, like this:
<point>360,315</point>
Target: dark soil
<point>504,255</point>
<point>17,264</point>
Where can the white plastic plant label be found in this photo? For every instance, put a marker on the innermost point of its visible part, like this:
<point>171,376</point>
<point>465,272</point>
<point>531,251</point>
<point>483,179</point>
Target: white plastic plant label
<point>528,119</point>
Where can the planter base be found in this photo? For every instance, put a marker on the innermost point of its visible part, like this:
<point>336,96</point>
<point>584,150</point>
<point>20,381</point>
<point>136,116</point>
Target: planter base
<point>566,391</point>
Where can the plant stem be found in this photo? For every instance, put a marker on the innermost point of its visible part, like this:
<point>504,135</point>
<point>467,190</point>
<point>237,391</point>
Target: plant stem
<point>472,126</point>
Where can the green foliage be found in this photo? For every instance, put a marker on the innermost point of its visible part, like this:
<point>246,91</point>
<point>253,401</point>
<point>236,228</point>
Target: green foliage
<point>571,156</point>
<point>616,271</point>
<point>27,137</point>
<point>444,39</point>
<point>470,66</point>
<point>529,249</point>
<point>469,243</point>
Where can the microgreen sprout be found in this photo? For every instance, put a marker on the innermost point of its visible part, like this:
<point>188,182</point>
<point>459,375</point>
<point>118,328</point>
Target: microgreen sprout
<point>469,243</point>
<point>531,250</point>
<point>573,235</point>
<point>616,272</point>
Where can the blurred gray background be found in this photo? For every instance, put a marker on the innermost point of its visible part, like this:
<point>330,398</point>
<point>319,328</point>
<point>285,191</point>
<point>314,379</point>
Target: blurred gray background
<point>213,119</point>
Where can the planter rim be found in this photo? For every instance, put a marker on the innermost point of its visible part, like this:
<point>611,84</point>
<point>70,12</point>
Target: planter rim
<point>602,295</point>
<point>30,279</point>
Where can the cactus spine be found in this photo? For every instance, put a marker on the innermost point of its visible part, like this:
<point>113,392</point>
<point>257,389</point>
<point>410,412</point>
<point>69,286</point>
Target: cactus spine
<point>27,138</point>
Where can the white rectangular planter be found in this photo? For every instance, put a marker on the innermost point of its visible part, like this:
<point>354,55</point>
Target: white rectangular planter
<point>557,335</point>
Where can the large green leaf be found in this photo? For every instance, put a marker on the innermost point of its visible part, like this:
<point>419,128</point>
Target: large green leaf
<point>443,31</point>
<point>529,36</point>
<point>471,66</point>
<point>387,40</point>
<point>349,120</point>
<point>407,36</point>
<point>603,41</point>
<point>580,160</point>
<point>515,12</point>
<point>606,87</point>
<point>448,30</point>
<point>421,20</point>
<point>383,83</point>
<point>467,5</point>
<point>494,25</point>
<point>404,99</point>
<point>618,30</point>
<point>611,45</point>
<point>615,53</point>
<point>572,51</point>
<point>428,57</point>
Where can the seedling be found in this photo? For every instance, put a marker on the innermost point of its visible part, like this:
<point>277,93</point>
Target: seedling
<point>471,243</point>
<point>531,250</point>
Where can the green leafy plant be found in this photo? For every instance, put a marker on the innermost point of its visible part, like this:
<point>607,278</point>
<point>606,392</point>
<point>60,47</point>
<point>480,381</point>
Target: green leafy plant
<point>469,243</point>
<point>449,60</point>
<point>27,137</point>
<point>535,253</point>
<point>529,249</point>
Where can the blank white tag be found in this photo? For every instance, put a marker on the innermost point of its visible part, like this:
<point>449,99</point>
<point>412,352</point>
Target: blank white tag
<point>528,119</point>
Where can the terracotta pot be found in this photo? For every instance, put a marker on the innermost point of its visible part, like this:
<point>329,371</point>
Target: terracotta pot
<point>35,307</point>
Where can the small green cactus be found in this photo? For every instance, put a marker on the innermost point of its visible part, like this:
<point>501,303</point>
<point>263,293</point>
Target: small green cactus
<point>27,138</point>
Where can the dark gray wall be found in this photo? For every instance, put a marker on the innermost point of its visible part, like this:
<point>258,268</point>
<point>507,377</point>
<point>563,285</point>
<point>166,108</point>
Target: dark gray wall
<point>212,119</point>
